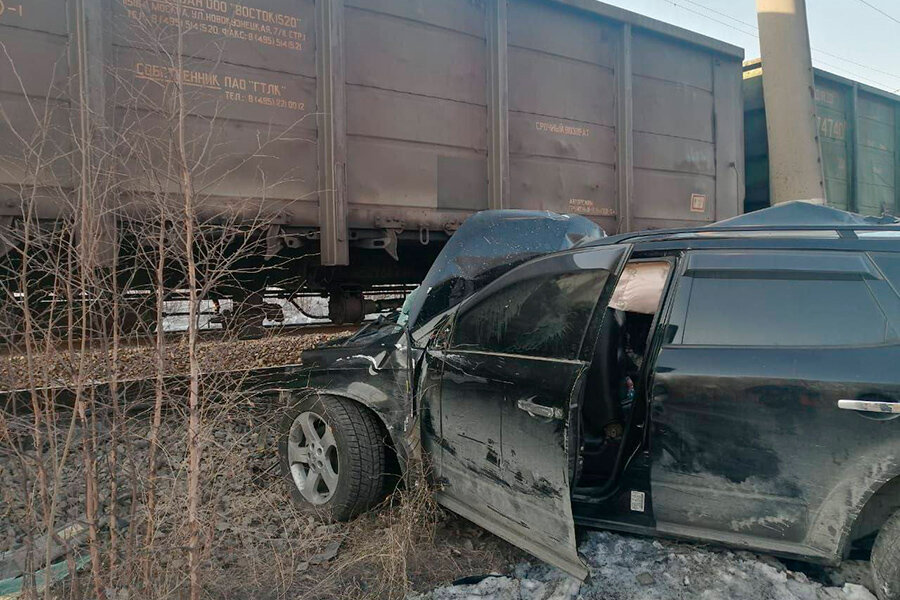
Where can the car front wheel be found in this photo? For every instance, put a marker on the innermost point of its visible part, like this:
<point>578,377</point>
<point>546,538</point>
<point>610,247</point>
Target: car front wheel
<point>333,454</point>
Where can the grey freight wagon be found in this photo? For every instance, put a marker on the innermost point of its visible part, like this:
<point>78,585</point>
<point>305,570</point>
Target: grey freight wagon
<point>859,131</point>
<point>365,131</point>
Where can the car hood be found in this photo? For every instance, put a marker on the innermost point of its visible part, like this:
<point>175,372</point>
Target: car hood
<point>486,246</point>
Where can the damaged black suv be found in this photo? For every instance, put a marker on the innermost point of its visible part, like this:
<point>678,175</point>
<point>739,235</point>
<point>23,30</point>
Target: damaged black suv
<point>736,384</point>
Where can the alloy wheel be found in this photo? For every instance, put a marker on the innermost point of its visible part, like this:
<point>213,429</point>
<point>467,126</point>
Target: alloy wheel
<point>313,457</point>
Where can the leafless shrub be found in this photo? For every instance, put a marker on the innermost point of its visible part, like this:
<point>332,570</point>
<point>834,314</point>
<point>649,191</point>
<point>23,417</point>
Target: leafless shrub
<point>131,201</point>
<point>152,472</point>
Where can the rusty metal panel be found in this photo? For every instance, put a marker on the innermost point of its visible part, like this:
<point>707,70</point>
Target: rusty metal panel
<point>37,63</point>
<point>537,136</point>
<point>672,109</point>
<point>220,90</point>
<point>498,104</point>
<point>277,35</point>
<point>282,170</point>
<point>563,115</point>
<point>402,178</point>
<point>47,16</point>
<point>553,30</point>
<point>544,84</point>
<point>386,52</point>
<point>565,186</point>
<point>671,195</point>
<point>663,59</point>
<point>251,88</point>
<point>675,155</point>
<point>263,143</point>
<point>34,74</point>
<point>675,145</point>
<point>55,136</point>
<point>834,138</point>
<point>334,244</point>
<point>464,17</point>
<point>388,115</point>
<point>417,86</point>
<point>625,130</point>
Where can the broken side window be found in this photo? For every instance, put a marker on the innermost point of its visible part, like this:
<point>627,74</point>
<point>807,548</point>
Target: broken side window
<point>543,316</point>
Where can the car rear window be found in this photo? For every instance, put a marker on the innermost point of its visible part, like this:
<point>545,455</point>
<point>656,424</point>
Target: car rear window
<point>542,317</point>
<point>775,307</point>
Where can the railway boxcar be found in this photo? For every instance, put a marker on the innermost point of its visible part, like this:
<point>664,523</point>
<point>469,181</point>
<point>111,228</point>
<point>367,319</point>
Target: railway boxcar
<point>365,131</point>
<point>859,129</point>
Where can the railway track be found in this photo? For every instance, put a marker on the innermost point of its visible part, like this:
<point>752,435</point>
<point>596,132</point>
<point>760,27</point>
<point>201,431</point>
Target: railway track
<point>205,335</point>
<point>57,368</point>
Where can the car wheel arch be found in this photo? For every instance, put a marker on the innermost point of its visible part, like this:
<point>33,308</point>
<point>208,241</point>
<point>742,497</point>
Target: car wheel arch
<point>838,518</point>
<point>878,508</point>
<point>396,439</point>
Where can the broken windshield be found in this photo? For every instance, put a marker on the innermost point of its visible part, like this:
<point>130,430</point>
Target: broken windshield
<point>487,245</point>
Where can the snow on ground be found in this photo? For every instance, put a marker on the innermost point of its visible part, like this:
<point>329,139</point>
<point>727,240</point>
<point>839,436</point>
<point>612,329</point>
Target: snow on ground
<point>292,316</point>
<point>633,568</point>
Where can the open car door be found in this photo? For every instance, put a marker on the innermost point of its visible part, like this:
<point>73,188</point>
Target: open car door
<point>512,371</point>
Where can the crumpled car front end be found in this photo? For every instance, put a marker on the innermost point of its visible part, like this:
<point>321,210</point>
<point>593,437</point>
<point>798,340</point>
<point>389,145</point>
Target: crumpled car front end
<point>378,365</point>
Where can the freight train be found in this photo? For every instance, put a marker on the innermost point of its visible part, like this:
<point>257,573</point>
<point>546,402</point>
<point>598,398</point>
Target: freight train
<point>346,140</point>
<point>859,131</point>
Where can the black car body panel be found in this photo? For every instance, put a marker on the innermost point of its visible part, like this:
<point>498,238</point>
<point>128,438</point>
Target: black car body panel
<point>503,436</point>
<point>733,429</point>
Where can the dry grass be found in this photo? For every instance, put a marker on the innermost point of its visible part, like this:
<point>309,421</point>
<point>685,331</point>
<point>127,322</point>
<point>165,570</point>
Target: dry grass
<point>255,543</point>
<point>133,362</point>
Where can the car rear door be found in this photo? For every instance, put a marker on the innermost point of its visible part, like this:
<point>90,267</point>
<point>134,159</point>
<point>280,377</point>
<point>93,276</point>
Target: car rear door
<point>752,440</point>
<point>510,374</point>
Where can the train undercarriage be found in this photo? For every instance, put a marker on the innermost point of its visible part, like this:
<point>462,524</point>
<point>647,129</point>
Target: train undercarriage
<point>251,284</point>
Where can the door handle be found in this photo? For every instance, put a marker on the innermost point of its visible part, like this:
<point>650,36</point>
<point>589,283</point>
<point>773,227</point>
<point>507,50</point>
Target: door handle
<point>539,410</point>
<point>870,406</point>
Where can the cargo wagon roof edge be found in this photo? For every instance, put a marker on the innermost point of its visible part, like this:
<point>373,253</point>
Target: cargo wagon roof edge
<point>650,24</point>
<point>753,68</point>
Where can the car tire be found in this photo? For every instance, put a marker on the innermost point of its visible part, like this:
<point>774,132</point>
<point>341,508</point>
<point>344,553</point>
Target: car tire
<point>333,454</point>
<point>886,560</point>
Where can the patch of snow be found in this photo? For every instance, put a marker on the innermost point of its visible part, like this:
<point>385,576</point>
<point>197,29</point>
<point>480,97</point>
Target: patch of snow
<point>633,568</point>
<point>292,316</point>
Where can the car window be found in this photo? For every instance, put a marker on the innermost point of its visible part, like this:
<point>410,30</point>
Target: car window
<point>542,316</point>
<point>729,310</point>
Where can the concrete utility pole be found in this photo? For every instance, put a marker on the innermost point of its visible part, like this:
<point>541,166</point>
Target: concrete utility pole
<point>795,158</point>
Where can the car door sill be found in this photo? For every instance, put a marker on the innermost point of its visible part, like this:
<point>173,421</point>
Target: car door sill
<point>555,556</point>
<point>746,542</point>
<point>734,541</point>
<point>595,523</point>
